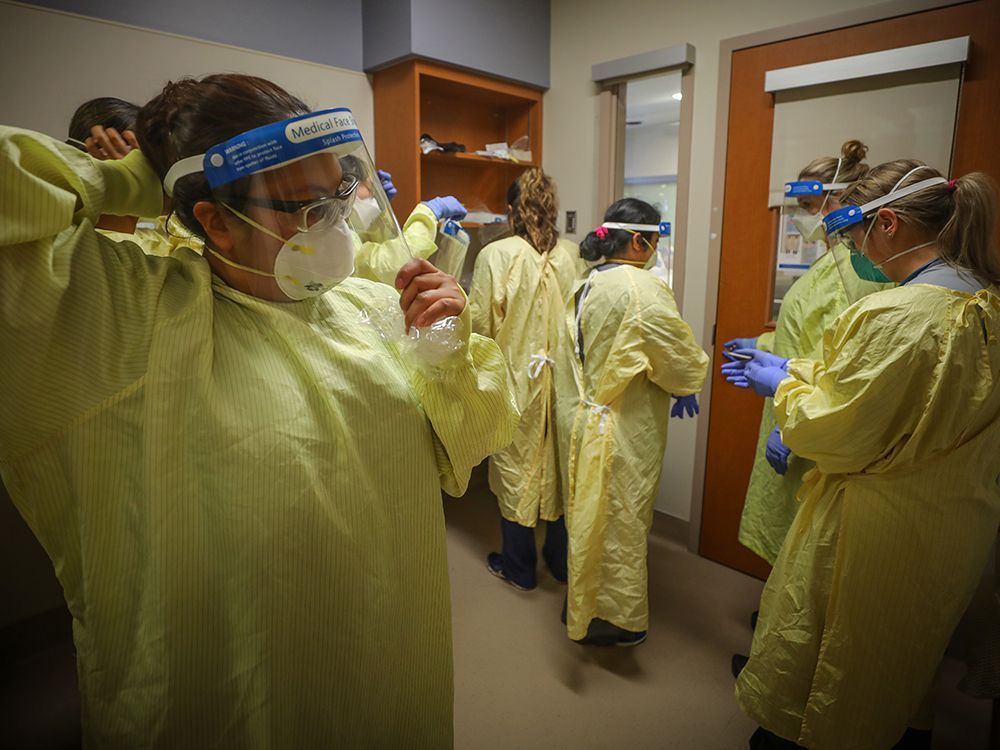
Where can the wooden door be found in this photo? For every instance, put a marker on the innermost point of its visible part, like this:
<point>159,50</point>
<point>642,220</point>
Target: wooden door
<point>747,263</point>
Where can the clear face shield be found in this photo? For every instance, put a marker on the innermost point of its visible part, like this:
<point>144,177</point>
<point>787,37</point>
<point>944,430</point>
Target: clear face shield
<point>662,259</point>
<point>802,237</point>
<point>452,248</point>
<point>663,263</point>
<point>301,195</point>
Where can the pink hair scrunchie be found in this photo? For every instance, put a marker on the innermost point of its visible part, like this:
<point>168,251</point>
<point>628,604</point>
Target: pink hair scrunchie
<point>601,232</point>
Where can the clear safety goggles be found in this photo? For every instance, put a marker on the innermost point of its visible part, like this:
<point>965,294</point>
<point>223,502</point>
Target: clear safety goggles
<point>302,175</point>
<point>310,215</point>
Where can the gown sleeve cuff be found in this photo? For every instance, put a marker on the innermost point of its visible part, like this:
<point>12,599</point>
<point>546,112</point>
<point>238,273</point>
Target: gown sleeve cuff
<point>131,187</point>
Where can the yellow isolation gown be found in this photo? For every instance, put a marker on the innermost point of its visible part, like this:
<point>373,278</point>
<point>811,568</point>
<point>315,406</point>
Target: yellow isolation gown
<point>241,499</point>
<point>380,260</point>
<point>613,410</point>
<point>518,298</point>
<point>902,417</point>
<point>810,306</point>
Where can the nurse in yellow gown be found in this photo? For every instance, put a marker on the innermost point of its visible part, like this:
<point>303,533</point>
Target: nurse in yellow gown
<point>518,296</point>
<point>811,304</point>
<point>632,351</point>
<point>241,493</point>
<point>902,417</point>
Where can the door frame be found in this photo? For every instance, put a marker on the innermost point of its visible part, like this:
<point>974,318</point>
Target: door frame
<point>612,78</point>
<point>834,22</point>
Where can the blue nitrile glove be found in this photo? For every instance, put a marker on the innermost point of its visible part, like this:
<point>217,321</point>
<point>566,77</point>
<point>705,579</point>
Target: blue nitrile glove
<point>735,372</point>
<point>767,370</point>
<point>776,453</point>
<point>447,207</point>
<point>387,186</point>
<point>741,343</point>
<point>764,380</point>
<point>685,405</point>
<point>764,359</point>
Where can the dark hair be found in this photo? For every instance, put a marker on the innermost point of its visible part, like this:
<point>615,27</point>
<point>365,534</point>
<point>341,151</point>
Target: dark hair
<point>534,209</point>
<point>106,111</point>
<point>962,213</point>
<point>626,211</point>
<point>190,116</point>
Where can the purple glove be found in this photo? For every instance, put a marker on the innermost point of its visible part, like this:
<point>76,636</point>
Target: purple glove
<point>776,453</point>
<point>684,404</point>
<point>738,372</point>
<point>387,186</point>
<point>447,207</point>
<point>764,380</point>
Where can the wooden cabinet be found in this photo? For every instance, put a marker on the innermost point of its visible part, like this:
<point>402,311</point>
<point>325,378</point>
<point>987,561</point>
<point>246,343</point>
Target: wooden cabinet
<point>416,97</point>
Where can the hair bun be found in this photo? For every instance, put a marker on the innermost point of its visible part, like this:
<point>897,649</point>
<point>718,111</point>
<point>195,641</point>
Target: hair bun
<point>594,247</point>
<point>854,152</point>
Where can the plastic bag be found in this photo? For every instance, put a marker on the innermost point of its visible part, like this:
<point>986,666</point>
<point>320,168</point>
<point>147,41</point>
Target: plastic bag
<point>428,346</point>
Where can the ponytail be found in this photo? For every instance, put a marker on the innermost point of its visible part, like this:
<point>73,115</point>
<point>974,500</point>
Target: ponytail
<point>968,238</point>
<point>532,198</point>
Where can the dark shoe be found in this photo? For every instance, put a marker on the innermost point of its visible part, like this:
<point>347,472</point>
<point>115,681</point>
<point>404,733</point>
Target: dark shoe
<point>603,633</point>
<point>597,640</point>
<point>765,740</point>
<point>494,564</point>
<point>739,661</point>
<point>915,739</point>
<point>632,639</point>
<point>753,619</point>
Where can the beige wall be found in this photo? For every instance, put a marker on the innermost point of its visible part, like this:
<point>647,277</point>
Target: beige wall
<point>585,32</point>
<point>82,58</point>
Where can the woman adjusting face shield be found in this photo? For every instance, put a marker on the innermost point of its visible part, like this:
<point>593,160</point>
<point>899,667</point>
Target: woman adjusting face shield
<point>288,195</point>
<point>266,477</point>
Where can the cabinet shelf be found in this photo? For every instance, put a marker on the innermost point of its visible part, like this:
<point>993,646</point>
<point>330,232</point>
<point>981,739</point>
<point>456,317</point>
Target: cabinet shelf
<point>474,160</point>
<point>419,96</point>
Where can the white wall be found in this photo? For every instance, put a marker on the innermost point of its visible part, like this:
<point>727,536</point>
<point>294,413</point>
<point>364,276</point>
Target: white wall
<point>585,32</point>
<point>54,61</point>
<point>651,150</point>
